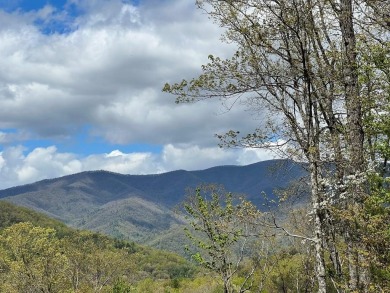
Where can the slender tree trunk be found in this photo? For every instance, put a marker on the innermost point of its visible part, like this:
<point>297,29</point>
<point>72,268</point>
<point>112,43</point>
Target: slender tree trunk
<point>318,227</point>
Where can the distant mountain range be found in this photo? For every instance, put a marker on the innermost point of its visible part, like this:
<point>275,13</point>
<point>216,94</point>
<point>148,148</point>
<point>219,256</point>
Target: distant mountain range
<point>140,207</point>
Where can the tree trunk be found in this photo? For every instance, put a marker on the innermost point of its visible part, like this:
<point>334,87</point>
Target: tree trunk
<point>318,226</point>
<point>355,139</point>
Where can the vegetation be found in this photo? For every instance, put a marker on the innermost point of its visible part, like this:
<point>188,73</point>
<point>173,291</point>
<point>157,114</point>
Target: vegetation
<point>322,68</point>
<point>219,226</point>
<point>36,259</point>
<point>39,254</point>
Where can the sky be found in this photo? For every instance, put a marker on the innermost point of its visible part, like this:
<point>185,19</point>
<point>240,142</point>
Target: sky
<point>81,89</point>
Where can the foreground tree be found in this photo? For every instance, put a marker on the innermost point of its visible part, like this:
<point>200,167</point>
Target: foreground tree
<point>222,231</point>
<point>299,60</point>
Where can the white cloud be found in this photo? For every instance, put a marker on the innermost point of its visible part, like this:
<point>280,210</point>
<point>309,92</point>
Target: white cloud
<point>251,155</point>
<point>106,75</point>
<point>116,161</point>
<point>194,157</point>
<point>18,167</point>
<point>109,74</point>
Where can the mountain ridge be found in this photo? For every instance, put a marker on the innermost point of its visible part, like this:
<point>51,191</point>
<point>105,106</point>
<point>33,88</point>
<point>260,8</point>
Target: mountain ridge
<point>33,184</point>
<point>139,207</point>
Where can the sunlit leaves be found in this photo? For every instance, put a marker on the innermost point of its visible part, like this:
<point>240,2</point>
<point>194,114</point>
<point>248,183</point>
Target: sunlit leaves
<point>35,260</point>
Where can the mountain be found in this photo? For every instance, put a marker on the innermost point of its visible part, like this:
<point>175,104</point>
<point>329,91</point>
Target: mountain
<point>139,207</point>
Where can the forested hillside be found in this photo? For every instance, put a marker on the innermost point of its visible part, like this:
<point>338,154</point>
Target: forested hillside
<point>141,208</point>
<point>40,254</point>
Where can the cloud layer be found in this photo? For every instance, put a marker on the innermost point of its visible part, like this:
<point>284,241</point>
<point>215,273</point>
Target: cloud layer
<point>105,71</point>
<point>108,73</point>
<point>18,167</point>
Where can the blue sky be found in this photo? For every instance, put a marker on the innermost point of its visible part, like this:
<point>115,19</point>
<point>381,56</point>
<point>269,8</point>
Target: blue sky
<point>29,5</point>
<point>67,10</point>
<point>80,89</point>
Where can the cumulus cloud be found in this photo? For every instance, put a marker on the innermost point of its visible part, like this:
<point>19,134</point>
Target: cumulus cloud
<point>109,72</point>
<point>18,166</point>
<point>103,68</point>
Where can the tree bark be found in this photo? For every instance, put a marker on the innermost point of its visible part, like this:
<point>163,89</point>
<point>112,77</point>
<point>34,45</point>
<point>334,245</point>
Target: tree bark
<point>358,276</point>
<point>318,238</point>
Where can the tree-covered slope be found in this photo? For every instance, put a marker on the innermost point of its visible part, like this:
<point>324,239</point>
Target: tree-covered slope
<point>39,254</point>
<point>11,214</point>
<point>139,207</point>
